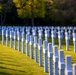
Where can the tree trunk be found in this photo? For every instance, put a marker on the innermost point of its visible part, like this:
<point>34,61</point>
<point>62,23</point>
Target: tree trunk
<point>32,19</point>
<point>4,17</point>
<point>26,21</point>
<point>3,20</point>
<point>32,14</point>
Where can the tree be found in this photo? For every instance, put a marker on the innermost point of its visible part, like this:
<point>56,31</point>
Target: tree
<point>5,7</point>
<point>63,12</point>
<point>30,9</point>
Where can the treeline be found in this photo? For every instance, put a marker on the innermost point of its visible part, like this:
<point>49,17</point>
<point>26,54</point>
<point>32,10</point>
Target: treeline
<point>38,12</point>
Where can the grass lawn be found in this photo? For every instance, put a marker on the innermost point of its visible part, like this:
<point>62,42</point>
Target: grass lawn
<point>69,52</point>
<point>14,62</point>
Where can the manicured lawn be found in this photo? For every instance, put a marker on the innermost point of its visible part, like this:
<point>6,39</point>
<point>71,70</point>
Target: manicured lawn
<point>70,51</point>
<point>16,63</point>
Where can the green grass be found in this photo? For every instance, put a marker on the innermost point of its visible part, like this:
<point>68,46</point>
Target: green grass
<point>13,62</point>
<point>16,63</point>
<point>70,51</point>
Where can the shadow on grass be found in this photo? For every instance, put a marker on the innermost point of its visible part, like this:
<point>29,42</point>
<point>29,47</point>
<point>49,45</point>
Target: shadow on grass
<point>73,61</point>
<point>11,69</point>
<point>6,60</point>
<point>10,64</point>
<point>4,73</point>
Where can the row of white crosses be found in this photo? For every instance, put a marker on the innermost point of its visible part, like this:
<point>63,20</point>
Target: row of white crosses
<point>57,59</point>
<point>65,68</point>
<point>27,43</point>
<point>48,54</point>
<point>40,51</point>
<point>47,34</point>
<point>36,48</point>
<point>13,36</point>
<point>60,36</point>
<point>40,32</point>
<point>53,35</point>
<point>67,37</point>
<point>74,40</point>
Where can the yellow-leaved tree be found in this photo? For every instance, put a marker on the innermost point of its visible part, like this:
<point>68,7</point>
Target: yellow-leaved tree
<point>30,9</point>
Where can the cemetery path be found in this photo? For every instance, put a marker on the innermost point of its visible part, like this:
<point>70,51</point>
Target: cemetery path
<point>13,62</point>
